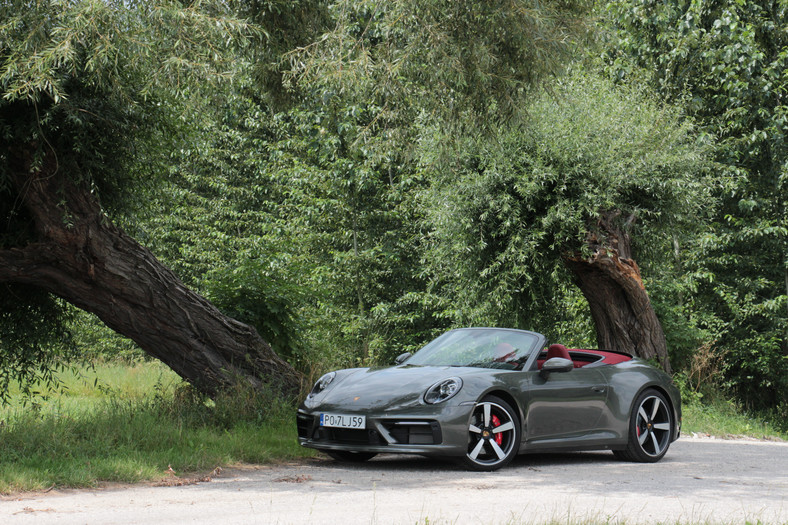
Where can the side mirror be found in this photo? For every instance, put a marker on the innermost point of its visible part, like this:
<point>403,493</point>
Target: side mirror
<point>556,364</point>
<point>402,358</point>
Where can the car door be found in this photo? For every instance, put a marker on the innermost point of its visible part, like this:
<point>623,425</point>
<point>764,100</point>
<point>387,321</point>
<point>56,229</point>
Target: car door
<point>563,405</point>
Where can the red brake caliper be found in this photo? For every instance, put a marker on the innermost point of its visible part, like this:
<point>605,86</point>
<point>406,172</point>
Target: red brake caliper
<point>497,423</point>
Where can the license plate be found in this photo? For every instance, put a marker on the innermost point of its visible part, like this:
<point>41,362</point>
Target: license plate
<point>342,421</point>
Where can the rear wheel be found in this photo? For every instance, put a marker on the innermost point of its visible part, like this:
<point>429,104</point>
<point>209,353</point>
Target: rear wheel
<point>650,429</point>
<point>493,435</point>
<point>348,456</point>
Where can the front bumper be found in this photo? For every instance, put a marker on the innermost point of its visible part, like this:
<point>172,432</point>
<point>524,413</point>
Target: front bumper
<point>429,433</point>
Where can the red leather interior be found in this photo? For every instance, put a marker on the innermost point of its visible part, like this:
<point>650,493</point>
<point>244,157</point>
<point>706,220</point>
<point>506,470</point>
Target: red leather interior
<point>559,350</point>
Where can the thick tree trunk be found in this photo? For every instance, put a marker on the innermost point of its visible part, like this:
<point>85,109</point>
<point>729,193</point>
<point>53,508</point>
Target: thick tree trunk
<point>83,258</point>
<point>611,283</point>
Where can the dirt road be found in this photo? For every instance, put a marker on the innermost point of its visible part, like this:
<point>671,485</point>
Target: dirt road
<point>700,480</point>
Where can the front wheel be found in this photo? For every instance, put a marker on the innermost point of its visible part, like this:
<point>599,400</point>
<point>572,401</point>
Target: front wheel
<point>348,456</point>
<point>650,429</point>
<point>493,435</point>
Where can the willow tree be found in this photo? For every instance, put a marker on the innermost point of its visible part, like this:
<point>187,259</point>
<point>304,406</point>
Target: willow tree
<point>591,174</point>
<point>370,83</point>
<point>88,114</point>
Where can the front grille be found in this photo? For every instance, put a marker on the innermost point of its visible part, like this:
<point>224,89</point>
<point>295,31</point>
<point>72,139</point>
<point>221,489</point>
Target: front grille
<point>348,436</point>
<point>414,432</point>
<point>402,431</point>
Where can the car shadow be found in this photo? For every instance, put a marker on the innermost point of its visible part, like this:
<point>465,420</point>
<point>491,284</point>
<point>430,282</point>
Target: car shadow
<point>400,462</point>
<point>324,475</point>
<point>564,458</point>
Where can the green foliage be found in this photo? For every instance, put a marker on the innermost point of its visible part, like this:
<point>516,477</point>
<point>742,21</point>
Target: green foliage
<point>93,80</point>
<point>216,224</point>
<point>253,294</point>
<point>446,58</point>
<point>506,211</point>
<point>31,352</point>
<point>725,62</point>
<point>124,50</point>
<point>282,26</point>
<point>353,208</point>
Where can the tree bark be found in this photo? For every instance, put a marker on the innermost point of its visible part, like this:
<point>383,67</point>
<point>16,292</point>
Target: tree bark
<point>81,256</point>
<point>620,307</point>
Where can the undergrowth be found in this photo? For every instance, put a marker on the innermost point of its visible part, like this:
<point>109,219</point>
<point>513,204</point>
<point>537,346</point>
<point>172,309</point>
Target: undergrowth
<point>708,408</point>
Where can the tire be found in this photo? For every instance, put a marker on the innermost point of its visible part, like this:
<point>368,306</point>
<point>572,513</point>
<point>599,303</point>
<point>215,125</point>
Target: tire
<point>493,435</point>
<point>650,429</point>
<point>350,457</point>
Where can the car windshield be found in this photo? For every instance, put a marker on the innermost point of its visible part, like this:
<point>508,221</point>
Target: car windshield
<point>477,347</point>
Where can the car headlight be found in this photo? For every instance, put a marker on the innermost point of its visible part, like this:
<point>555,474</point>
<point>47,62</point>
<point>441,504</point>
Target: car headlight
<point>443,390</point>
<point>322,383</point>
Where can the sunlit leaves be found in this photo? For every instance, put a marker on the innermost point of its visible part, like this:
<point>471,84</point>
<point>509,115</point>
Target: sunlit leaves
<point>456,56</point>
<point>128,48</point>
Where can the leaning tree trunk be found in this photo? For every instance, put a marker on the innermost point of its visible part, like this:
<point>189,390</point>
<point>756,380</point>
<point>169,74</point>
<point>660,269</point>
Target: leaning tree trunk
<point>620,307</point>
<point>82,257</point>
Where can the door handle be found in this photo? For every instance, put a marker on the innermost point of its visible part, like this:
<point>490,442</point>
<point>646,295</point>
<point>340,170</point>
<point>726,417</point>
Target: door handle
<point>598,389</point>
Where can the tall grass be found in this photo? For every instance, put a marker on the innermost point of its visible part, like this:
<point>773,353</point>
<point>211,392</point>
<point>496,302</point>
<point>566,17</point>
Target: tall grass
<point>120,423</point>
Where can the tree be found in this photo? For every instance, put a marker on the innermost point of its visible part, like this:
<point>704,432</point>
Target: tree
<point>369,85</point>
<point>725,62</point>
<point>90,92</point>
<point>594,173</point>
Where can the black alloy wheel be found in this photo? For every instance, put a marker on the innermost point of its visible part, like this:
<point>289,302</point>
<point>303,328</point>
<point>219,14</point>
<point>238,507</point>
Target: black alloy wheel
<point>493,435</point>
<point>650,429</point>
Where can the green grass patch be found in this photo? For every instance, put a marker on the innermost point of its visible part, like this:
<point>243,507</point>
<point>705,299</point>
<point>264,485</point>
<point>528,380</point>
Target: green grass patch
<point>724,419</point>
<point>121,423</point>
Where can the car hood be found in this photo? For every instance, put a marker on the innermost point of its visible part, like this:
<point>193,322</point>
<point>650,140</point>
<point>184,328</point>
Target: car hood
<point>392,388</point>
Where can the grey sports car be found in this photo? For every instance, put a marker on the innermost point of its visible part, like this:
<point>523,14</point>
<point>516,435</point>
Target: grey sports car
<point>484,395</point>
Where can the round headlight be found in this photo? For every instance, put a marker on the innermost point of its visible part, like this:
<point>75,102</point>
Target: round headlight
<point>443,390</point>
<point>322,383</point>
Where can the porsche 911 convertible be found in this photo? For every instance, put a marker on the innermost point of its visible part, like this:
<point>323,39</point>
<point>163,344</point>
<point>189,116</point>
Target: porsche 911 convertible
<point>484,395</point>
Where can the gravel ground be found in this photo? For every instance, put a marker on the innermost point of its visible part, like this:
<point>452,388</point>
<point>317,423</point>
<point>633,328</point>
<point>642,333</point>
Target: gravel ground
<point>699,481</point>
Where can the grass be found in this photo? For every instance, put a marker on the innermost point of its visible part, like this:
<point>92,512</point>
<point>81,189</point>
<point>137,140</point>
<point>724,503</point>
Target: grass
<point>121,423</point>
<point>724,419</point>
